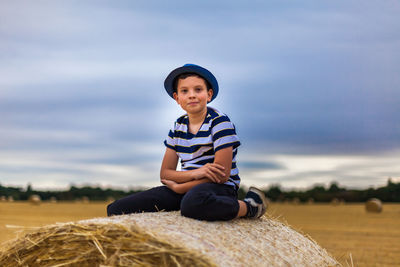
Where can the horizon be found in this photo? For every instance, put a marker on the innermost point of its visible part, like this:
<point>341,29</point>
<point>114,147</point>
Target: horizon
<point>140,187</point>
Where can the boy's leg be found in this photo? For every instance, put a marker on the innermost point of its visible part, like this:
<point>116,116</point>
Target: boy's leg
<point>210,202</point>
<point>152,200</point>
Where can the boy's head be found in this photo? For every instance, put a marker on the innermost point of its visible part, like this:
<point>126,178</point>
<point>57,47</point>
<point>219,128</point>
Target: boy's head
<point>190,70</point>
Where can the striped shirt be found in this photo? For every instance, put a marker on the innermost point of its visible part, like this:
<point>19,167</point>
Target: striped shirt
<point>195,150</point>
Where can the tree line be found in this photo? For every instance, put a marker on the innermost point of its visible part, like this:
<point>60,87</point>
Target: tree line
<point>388,193</point>
<point>72,194</point>
<point>318,193</point>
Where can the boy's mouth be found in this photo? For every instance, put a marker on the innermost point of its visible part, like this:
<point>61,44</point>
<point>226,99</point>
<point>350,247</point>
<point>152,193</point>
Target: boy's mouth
<point>193,103</point>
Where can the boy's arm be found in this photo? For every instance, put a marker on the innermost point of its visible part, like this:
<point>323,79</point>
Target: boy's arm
<point>223,157</point>
<point>184,187</point>
<point>213,171</point>
<point>168,168</point>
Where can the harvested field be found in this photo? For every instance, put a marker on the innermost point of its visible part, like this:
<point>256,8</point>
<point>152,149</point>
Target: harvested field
<point>26,214</point>
<point>371,238</point>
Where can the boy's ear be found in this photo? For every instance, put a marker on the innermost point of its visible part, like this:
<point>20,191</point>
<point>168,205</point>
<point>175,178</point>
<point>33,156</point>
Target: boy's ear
<point>210,93</point>
<point>175,95</point>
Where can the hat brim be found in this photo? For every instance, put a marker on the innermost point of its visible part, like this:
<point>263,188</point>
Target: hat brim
<point>206,74</point>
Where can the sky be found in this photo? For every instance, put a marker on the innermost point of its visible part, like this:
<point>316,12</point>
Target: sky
<point>313,88</point>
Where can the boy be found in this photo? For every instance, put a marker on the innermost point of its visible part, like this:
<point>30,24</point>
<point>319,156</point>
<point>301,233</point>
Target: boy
<point>205,141</point>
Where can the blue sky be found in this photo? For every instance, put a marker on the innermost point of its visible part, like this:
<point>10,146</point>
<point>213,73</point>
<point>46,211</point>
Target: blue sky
<point>312,87</point>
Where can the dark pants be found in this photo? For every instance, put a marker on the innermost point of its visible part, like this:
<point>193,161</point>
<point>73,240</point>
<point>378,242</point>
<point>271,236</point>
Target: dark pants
<point>209,201</point>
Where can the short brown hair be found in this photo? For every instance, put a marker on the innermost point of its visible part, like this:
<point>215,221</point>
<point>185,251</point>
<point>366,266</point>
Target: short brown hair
<point>189,74</point>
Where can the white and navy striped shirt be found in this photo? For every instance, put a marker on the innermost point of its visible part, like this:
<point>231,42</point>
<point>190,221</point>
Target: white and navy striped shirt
<point>196,150</point>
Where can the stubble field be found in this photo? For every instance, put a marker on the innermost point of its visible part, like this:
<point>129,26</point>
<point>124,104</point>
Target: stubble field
<point>348,232</point>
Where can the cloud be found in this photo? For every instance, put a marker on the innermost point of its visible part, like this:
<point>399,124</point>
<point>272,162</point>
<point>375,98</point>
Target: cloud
<point>355,171</point>
<point>260,165</point>
<point>125,165</point>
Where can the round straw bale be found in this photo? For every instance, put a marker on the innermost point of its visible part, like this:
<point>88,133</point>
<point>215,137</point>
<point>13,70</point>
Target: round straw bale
<point>335,201</point>
<point>110,199</point>
<point>35,199</point>
<point>85,199</point>
<point>10,199</point>
<point>3,198</point>
<point>373,205</point>
<point>165,239</point>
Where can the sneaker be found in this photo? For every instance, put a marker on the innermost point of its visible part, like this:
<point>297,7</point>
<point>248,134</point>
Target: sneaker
<point>255,202</point>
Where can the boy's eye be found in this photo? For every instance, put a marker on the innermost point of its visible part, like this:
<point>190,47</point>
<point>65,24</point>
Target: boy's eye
<point>198,89</point>
<point>184,91</point>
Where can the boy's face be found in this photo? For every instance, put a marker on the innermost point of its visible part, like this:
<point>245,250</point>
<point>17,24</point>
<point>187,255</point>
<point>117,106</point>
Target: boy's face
<point>192,94</point>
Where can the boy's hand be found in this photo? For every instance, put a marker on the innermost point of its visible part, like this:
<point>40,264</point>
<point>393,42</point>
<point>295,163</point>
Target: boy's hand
<point>213,171</point>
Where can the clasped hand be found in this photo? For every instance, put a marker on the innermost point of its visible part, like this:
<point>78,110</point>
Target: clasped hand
<point>213,171</point>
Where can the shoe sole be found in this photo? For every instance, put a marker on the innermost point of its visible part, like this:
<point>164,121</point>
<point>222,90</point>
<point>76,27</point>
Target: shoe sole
<point>263,199</point>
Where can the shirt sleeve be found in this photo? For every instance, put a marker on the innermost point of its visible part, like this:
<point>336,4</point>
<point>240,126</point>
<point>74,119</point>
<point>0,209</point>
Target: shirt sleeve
<point>170,141</point>
<point>224,133</point>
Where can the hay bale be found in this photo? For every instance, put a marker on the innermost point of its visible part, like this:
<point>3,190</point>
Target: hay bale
<point>35,199</point>
<point>3,198</point>
<point>10,199</point>
<point>165,239</point>
<point>335,201</point>
<point>373,205</point>
<point>110,200</point>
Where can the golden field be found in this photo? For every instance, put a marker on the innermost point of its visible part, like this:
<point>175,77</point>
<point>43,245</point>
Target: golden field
<point>348,232</point>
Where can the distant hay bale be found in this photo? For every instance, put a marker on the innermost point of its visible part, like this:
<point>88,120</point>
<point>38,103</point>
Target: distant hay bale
<point>165,239</point>
<point>110,199</point>
<point>83,199</point>
<point>10,199</point>
<point>296,201</point>
<point>35,199</point>
<point>373,205</point>
<point>3,198</point>
<point>335,201</point>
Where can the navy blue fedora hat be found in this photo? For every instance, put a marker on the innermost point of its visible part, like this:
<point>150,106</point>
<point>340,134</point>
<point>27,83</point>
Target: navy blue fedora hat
<point>191,68</point>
